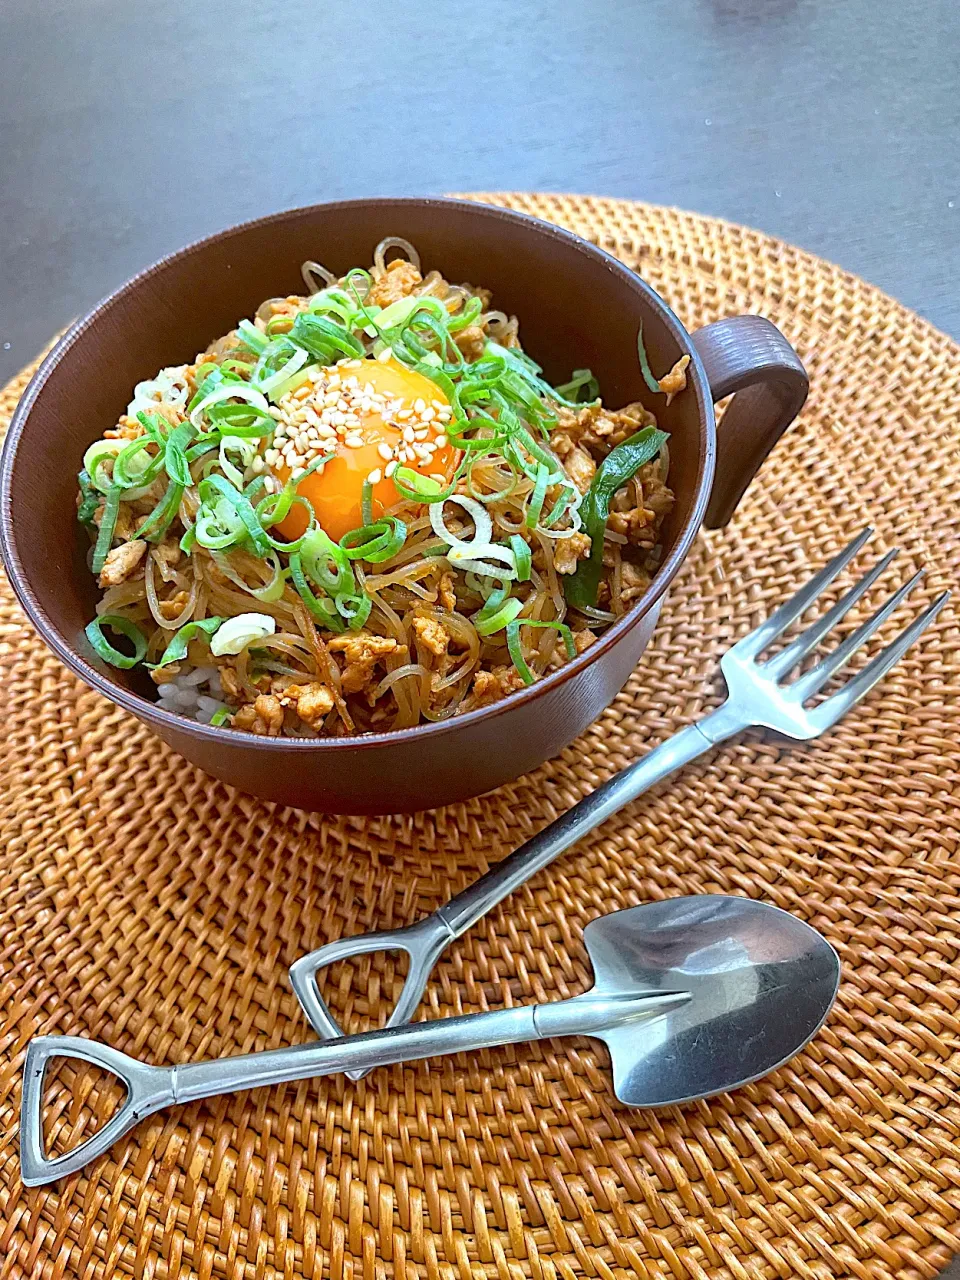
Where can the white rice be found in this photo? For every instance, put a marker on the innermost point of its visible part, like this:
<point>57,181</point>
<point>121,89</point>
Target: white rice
<point>195,693</point>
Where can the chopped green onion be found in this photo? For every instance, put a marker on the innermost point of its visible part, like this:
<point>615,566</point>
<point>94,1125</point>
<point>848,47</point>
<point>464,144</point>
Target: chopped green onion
<point>90,499</point>
<point>521,553</point>
<point>538,495</point>
<point>322,611</point>
<point>236,633</point>
<point>245,448</point>
<point>322,338</point>
<point>174,457</point>
<point>241,505</point>
<point>375,542</point>
<point>617,469</point>
<point>487,623</point>
<point>582,380</point>
<point>229,389</point>
<point>392,315</point>
<point>366,503</point>
<point>188,539</point>
<point>95,456</point>
<point>162,516</point>
<point>355,609</point>
<point>648,377</point>
<point>515,646</point>
<point>220,716</point>
<point>176,650</point>
<point>142,475</point>
<point>419,488</point>
<point>253,337</point>
<point>318,553</point>
<point>277,364</point>
<point>103,647</point>
<point>108,523</point>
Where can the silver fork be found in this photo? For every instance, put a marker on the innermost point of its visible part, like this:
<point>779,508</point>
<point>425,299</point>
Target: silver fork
<point>756,696</point>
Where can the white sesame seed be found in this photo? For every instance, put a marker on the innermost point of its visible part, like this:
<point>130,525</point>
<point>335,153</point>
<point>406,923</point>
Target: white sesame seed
<point>438,404</point>
<point>441,440</point>
<point>272,456</point>
<point>438,475</point>
<point>403,414</point>
<point>419,405</point>
<point>338,418</point>
<point>421,434</point>
<point>353,442</point>
<point>297,473</point>
<point>384,450</point>
<point>428,415</point>
<point>409,435</point>
<point>389,469</point>
<point>385,355</point>
<point>374,477</point>
<point>256,466</point>
<point>423,452</point>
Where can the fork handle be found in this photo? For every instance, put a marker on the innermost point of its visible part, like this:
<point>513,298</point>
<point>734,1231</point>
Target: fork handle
<point>462,912</point>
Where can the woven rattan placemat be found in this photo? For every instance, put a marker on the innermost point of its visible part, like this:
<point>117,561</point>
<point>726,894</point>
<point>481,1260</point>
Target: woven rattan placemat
<point>149,906</point>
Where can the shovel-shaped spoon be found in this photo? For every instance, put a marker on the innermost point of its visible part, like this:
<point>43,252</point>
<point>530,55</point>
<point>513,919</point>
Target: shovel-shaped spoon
<point>693,996</point>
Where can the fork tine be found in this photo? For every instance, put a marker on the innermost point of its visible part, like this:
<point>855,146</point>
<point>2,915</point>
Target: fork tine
<point>829,712</point>
<point>817,676</point>
<point>805,643</point>
<point>758,639</point>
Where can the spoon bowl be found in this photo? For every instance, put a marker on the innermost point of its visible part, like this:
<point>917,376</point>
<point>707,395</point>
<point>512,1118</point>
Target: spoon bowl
<point>760,984</point>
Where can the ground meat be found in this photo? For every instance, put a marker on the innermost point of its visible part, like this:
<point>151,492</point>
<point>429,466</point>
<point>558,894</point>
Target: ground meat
<point>312,701</point>
<point>173,607</point>
<point>362,652</point>
<point>163,675</point>
<point>597,430</point>
<point>570,551</point>
<point>398,281</point>
<point>264,717</point>
<point>121,562</point>
<point>166,556</point>
<point>126,429</point>
<point>637,526</point>
<point>491,686</point>
<point>580,467</point>
<point>123,530</point>
<point>229,682</point>
<point>471,341</point>
<point>635,581</point>
<point>672,383</point>
<point>448,596</point>
<point>432,635</point>
<point>583,639</point>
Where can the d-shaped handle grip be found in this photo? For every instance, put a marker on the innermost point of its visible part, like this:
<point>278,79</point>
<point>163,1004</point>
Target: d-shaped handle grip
<point>423,942</point>
<point>148,1089</point>
<point>750,356</point>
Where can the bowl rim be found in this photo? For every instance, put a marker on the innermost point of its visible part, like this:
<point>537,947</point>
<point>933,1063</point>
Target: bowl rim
<point>152,712</point>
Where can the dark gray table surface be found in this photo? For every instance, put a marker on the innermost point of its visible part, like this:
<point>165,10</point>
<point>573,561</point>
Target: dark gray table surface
<point>128,129</point>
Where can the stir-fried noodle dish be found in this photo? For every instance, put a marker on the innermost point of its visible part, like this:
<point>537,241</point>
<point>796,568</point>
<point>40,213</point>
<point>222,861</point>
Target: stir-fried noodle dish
<point>365,509</point>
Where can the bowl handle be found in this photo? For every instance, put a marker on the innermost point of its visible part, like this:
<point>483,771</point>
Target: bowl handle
<point>749,356</point>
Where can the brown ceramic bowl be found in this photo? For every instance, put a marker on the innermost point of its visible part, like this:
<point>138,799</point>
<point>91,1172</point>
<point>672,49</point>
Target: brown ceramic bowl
<point>577,306</point>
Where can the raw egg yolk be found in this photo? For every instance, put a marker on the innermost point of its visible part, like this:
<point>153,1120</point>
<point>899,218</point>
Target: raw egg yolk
<point>404,404</point>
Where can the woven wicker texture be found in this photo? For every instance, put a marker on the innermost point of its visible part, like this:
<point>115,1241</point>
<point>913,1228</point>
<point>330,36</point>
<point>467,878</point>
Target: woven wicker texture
<point>146,905</point>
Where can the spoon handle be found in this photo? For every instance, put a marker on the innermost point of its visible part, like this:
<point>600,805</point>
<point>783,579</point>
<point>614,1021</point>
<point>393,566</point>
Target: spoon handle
<point>462,912</point>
